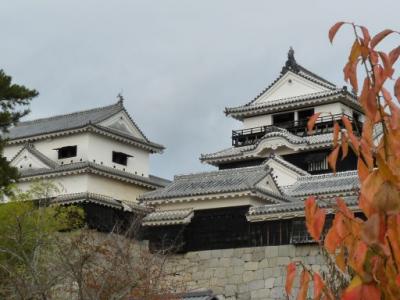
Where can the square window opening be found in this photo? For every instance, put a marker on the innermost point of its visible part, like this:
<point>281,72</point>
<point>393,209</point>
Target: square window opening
<point>120,158</point>
<point>67,152</point>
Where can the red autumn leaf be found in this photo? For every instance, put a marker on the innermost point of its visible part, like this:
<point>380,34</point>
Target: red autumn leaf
<point>311,122</point>
<point>318,286</point>
<point>370,230</point>
<point>367,37</point>
<point>290,275</point>
<point>343,209</point>
<point>358,258</point>
<point>386,63</point>
<point>332,240</point>
<point>398,280</point>
<point>304,281</point>
<point>379,37</point>
<point>357,290</point>
<point>394,55</point>
<point>353,138</point>
<point>332,158</point>
<point>336,130</point>
<point>315,218</point>
<point>397,89</point>
<point>334,29</point>
<point>363,170</point>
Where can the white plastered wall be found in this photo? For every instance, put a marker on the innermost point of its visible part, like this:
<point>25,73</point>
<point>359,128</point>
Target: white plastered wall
<point>100,150</point>
<point>257,121</point>
<point>47,147</point>
<point>284,176</point>
<point>114,188</point>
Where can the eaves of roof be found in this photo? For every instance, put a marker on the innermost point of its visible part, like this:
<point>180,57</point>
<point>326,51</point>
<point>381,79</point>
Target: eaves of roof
<point>98,129</point>
<point>88,197</point>
<point>294,209</point>
<point>339,95</point>
<point>91,168</point>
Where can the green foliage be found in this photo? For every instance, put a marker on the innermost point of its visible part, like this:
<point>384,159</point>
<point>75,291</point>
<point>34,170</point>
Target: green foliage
<point>28,231</point>
<point>13,101</point>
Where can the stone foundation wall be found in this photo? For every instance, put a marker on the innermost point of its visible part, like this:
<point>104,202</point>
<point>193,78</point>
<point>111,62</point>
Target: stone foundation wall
<point>243,273</point>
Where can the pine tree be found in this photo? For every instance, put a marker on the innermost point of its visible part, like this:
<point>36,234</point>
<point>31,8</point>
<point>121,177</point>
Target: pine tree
<point>14,99</point>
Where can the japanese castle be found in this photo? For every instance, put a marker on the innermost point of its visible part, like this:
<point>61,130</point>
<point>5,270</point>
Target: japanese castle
<point>255,196</point>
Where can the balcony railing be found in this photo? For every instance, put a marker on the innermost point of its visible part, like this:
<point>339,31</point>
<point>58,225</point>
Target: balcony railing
<point>323,124</point>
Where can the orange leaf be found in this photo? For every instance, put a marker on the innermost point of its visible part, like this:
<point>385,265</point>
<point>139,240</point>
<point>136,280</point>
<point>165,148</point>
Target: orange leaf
<point>387,199</point>
<point>371,185</point>
<point>340,260</point>
<point>370,230</point>
<point>290,275</point>
<point>358,258</point>
<point>336,130</point>
<point>315,218</point>
<point>394,55</point>
<point>355,52</point>
<point>332,158</point>
<point>398,280</point>
<point>332,240</point>
<point>304,281</point>
<point>334,29</point>
<point>367,37</point>
<point>311,122</point>
<point>379,37</point>
<point>363,170</point>
<point>318,286</point>
<point>397,89</point>
<point>357,290</point>
<point>386,63</point>
<point>353,139</point>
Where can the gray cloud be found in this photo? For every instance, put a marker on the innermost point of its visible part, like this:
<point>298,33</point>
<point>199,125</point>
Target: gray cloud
<point>178,63</point>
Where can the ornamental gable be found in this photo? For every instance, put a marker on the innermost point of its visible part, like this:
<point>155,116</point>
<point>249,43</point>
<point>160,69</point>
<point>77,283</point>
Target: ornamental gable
<point>290,85</point>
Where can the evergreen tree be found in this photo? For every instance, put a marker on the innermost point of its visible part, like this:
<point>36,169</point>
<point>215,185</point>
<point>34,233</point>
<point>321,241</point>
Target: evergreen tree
<point>14,99</point>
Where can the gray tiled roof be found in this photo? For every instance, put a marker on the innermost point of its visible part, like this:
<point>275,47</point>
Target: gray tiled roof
<point>221,181</point>
<point>77,120</point>
<point>294,207</point>
<point>233,152</point>
<point>324,184</point>
<point>104,200</point>
<point>150,181</point>
<point>168,217</point>
<point>43,158</point>
<point>251,109</point>
<point>63,122</point>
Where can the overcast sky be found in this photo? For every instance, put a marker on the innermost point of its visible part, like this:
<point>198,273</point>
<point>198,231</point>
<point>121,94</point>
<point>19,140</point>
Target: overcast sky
<point>177,63</point>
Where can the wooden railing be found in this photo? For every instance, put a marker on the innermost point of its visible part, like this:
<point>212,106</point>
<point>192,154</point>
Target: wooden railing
<point>323,124</point>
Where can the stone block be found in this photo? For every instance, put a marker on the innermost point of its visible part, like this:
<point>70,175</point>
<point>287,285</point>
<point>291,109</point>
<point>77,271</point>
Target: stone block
<point>272,262</point>
<point>244,296</point>
<point>283,261</point>
<point>271,251</point>
<point>220,273</point>
<point>258,255</point>
<point>260,294</point>
<point>235,279</point>
<point>230,290</point>
<point>248,276</point>
<point>205,254</point>
<point>216,253</point>
<point>269,283</point>
<point>246,257</point>
<point>227,253</point>
<point>264,263</point>
<point>251,266</point>
<point>242,288</point>
<point>235,261</point>
<point>256,284</point>
<point>225,262</point>
<point>258,274</point>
